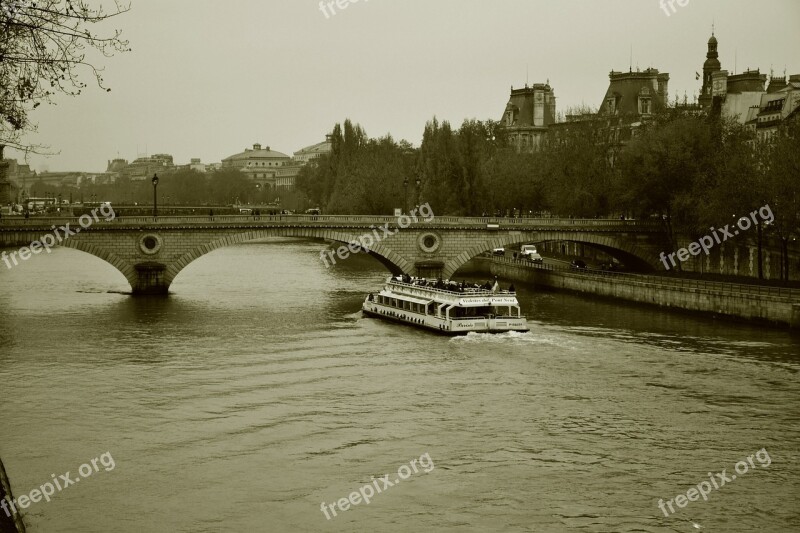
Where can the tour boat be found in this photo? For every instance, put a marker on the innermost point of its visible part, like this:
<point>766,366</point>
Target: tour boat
<point>446,307</point>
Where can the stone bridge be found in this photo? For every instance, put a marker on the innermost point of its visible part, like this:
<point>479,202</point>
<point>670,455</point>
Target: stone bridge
<point>151,252</point>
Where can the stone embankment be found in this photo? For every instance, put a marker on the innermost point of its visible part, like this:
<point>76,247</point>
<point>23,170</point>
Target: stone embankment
<point>767,305</point>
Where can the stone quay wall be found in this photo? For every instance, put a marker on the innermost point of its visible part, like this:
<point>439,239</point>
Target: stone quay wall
<point>766,305</point>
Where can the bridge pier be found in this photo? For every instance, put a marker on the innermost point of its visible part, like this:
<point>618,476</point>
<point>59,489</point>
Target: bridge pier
<point>150,279</point>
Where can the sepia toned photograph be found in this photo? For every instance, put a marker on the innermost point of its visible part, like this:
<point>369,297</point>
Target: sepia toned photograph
<point>399,266</point>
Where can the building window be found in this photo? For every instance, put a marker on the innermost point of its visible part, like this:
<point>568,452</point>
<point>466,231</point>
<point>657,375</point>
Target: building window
<point>644,106</point>
<point>611,106</point>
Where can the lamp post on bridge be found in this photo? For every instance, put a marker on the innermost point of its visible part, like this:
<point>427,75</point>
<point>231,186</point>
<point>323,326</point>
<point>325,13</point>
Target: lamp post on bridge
<point>418,182</point>
<point>155,196</point>
<point>405,194</point>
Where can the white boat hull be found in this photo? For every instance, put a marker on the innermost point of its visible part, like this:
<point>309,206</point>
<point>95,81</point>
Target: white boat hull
<point>443,325</point>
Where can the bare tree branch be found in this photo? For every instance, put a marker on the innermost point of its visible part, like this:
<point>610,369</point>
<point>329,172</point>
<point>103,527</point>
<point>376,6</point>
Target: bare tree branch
<point>43,46</point>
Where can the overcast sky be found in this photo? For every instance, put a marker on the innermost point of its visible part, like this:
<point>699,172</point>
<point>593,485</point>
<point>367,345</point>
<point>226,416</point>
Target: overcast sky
<point>207,78</point>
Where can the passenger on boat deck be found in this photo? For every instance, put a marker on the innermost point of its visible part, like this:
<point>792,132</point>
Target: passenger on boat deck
<point>511,288</point>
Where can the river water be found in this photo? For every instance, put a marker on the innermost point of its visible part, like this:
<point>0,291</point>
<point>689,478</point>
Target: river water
<point>255,392</point>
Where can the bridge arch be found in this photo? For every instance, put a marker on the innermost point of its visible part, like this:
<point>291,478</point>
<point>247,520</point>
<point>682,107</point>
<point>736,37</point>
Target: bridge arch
<point>622,249</point>
<point>127,270</point>
<point>394,262</point>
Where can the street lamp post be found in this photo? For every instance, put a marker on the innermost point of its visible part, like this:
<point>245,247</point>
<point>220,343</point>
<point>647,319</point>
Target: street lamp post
<point>405,195</point>
<point>418,182</point>
<point>155,195</point>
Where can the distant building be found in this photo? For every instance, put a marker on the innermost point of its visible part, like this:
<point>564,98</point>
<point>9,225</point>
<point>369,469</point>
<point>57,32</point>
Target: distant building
<point>286,176</point>
<point>116,165</point>
<point>19,175</point>
<point>710,66</point>
<point>635,95</point>
<point>736,95</point>
<point>72,179</point>
<point>5,183</point>
<point>632,99</point>
<point>776,107</point>
<point>194,164</point>
<point>264,166</point>
<point>139,169</point>
<point>304,155</point>
<point>59,179</point>
<point>143,168</point>
<point>530,111</point>
<point>746,97</point>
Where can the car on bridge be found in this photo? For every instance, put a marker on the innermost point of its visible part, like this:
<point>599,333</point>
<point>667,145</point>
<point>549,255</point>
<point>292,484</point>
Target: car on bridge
<point>535,258</point>
<point>499,251</point>
<point>578,264</point>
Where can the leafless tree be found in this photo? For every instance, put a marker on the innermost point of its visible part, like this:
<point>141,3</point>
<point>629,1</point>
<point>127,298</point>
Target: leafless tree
<point>44,52</point>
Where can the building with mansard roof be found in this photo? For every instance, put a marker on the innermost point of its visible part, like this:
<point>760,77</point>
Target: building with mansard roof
<point>636,94</point>
<point>776,107</point>
<point>528,114</point>
<point>751,98</point>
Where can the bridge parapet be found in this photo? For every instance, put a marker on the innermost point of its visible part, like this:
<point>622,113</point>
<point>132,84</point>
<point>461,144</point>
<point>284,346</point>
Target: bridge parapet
<point>483,223</point>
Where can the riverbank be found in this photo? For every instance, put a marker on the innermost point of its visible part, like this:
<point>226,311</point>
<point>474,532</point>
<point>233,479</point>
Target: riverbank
<point>13,523</point>
<point>775,306</point>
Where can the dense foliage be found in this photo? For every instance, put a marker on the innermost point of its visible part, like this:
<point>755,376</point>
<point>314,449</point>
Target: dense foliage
<point>689,170</point>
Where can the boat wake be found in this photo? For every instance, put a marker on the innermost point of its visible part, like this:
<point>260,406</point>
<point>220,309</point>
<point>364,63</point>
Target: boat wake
<point>515,336</point>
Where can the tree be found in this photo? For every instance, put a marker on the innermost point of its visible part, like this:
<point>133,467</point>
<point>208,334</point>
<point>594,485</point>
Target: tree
<point>781,169</point>
<point>660,169</point>
<point>735,187</point>
<point>359,175</point>
<point>43,47</point>
<point>578,160</point>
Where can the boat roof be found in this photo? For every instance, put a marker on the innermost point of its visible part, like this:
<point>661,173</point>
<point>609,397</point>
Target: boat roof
<point>424,295</point>
<point>467,291</point>
<point>406,297</point>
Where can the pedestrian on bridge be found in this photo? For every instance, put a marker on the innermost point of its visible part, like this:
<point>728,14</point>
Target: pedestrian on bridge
<point>211,215</point>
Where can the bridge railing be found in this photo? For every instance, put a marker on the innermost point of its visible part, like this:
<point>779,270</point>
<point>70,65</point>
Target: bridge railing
<point>683,283</point>
<point>484,222</point>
